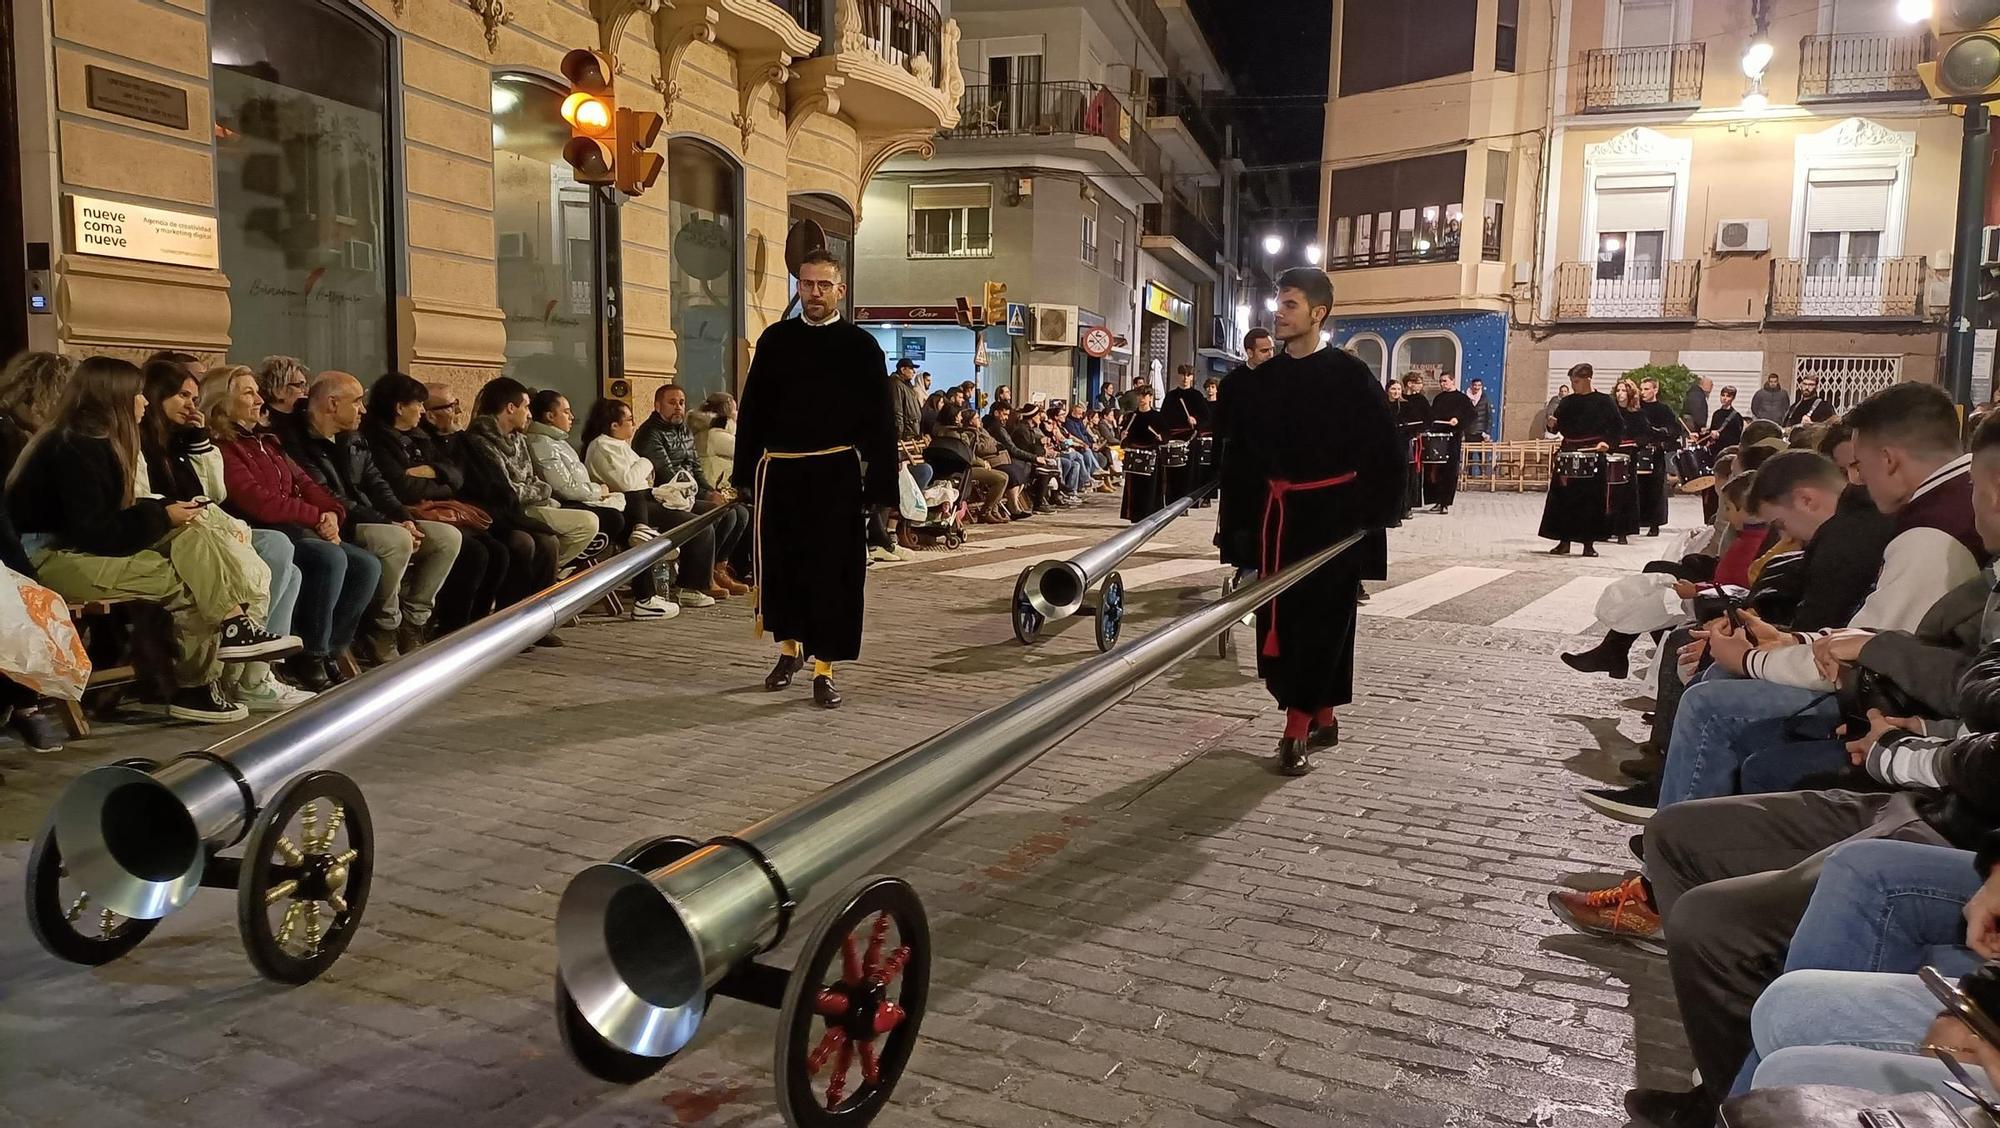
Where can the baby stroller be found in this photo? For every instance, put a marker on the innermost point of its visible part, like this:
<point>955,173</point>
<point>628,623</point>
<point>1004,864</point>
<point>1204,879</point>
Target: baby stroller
<point>945,522</point>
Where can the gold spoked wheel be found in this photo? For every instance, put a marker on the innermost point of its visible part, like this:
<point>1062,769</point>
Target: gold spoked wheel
<point>307,865</point>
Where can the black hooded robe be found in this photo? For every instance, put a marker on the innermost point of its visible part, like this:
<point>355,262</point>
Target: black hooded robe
<point>1579,509</point>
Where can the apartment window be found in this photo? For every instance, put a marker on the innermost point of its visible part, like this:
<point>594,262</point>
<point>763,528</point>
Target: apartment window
<point>1384,45</point>
<point>1847,212</point>
<point>1014,85</point>
<point>1493,216</point>
<point>951,220</point>
<point>1118,249</point>
<point>1634,214</point>
<point>1090,232</point>
<point>1398,212</point>
<point>1507,36</point>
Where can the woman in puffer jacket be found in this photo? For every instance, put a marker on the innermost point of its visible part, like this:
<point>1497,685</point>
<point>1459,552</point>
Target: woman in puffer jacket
<point>715,438</point>
<point>558,464</point>
<point>613,464</point>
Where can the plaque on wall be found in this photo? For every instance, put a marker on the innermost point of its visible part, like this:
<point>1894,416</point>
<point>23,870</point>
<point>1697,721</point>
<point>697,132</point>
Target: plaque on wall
<point>129,231</point>
<point>141,99</point>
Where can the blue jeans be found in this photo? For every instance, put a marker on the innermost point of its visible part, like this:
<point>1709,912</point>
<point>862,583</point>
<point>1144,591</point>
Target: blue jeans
<point>275,549</point>
<point>1723,721</point>
<point>1075,476</point>
<point>1881,906</point>
<point>1853,1028</point>
<point>339,582</point>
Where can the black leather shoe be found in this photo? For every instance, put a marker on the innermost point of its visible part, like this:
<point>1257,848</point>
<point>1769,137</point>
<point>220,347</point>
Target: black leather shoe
<point>1590,550</point>
<point>1294,757</point>
<point>1326,737</point>
<point>824,695</point>
<point>1653,532</point>
<point>1560,549</point>
<point>781,674</point>
<point>308,673</point>
<point>1597,661</point>
<point>1664,1108</point>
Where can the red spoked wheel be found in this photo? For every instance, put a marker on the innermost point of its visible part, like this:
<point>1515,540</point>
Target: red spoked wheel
<point>853,1006</point>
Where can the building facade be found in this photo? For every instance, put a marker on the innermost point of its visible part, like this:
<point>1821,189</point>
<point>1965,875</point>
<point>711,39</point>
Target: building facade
<point>1632,196</point>
<point>1086,175</point>
<point>379,185</point>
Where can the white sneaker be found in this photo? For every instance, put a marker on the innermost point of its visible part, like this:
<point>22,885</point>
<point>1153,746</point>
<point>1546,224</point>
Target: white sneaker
<point>655,607</point>
<point>271,696</point>
<point>688,597</point>
<point>882,554</point>
<point>642,533</point>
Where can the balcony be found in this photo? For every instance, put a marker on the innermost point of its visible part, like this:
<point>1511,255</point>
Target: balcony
<point>1187,133</point>
<point>1643,78</point>
<point>1173,229</point>
<point>1862,67</point>
<point>1061,112</point>
<point>880,61</point>
<point>1878,289</point>
<point>1657,291</point>
<point>951,245</point>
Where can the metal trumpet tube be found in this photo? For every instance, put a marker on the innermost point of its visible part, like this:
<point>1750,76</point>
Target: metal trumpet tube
<point>139,839</point>
<point>638,952</point>
<point>1055,588</point>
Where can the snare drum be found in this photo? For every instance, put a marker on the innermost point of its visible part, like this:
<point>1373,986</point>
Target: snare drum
<point>1647,462</point>
<point>1576,465</point>
<point>1141,462</point>
<point>1176,454</point>
<point>1437,447</point>
<point>1617,469</point>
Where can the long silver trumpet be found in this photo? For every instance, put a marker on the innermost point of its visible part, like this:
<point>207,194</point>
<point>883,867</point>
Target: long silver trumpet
<point>1053,590</point>
<point>131,842</point>
<point>644,942</point>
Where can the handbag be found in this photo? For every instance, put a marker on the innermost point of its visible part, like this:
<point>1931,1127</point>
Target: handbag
<point>457,514</point>
<point>677,494</point>
<point>40,649</point>
<point>1837,1106</point>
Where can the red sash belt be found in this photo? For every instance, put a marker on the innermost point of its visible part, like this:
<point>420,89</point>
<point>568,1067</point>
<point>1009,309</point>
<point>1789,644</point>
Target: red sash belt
<point>1270,556</point>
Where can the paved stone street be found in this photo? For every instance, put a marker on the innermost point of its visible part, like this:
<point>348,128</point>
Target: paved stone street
<point>1148,928</point>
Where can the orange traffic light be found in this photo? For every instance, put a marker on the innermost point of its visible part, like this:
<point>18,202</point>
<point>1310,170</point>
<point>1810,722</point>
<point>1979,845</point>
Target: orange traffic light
<point>591,109</point>
<point>637,165</point>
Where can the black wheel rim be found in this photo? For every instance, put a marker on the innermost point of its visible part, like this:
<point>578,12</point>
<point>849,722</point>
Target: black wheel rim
<point>1027,624</point>
<point>1110,611</point>
<point>853,1007</point>
<point>65,921</point>
<point>307,866</point>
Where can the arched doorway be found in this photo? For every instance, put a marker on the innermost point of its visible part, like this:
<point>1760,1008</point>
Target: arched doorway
<point>705,272</point>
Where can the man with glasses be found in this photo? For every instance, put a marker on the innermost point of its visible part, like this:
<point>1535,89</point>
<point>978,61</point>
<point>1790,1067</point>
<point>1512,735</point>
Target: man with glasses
<point>1809,406</point>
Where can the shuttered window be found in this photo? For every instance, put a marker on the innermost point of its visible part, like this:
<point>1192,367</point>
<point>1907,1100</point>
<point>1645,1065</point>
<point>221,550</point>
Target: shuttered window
<point>1848,199</point>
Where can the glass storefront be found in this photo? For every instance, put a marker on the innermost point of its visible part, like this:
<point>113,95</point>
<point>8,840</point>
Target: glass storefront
<point>546,252</point>
<point>704,274</point>
<point>303,185</point>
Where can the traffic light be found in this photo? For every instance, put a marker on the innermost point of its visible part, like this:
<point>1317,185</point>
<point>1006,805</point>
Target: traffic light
<point>637,164</point>
<point>996,303</point>
<point>592,113</point>
<point>1966,63</point>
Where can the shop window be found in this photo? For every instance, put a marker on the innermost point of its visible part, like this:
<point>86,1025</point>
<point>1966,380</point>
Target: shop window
<point>302,125</point>
<point>1428,353</point>
<point>547,251</point>
<point>836,223</point>
<point>704,274</point>
<point>951,220</point>
<point>1370,350</point>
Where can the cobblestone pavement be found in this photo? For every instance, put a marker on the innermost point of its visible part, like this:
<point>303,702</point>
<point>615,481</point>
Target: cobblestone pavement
<point>1146,928</point>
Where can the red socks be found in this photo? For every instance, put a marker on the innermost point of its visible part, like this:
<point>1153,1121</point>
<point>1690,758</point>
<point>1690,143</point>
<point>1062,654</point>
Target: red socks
<point>1324,718</point>
<point>1298,724</point>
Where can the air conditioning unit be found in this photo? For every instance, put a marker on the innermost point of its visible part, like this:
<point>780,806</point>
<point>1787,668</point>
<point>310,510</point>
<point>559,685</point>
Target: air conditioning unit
<point>513,244</point>
<point>1055,326</point>
<point>1989,247</point>
<point>1524,273</point>
<point>360,255</point>
<point>1742,236</point>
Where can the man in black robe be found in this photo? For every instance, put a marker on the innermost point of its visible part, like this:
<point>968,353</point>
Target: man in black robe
<point>1452,411</point>
<point>1809,406</point>
<point>1240,490</point>
<point>1414,413</point>
<point>1661,435</point>
<point>816,440</point>
<point>1319,434</point>
<point>1187,410</point>
<point>1725,427</point>
<point>1579,504</point>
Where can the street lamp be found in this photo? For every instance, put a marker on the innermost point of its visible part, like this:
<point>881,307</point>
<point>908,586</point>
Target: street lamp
<point>1313,253</point>
<point>1273,243</point>
<point>1913,11</point>
<point>1270,305</point>
<point>1758,55</point>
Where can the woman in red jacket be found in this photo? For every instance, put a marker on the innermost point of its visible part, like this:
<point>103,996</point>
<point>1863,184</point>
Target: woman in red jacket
<point>269,490</point>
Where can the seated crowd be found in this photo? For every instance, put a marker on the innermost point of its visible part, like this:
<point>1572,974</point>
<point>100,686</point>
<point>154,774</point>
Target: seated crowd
<point>1820,793</point>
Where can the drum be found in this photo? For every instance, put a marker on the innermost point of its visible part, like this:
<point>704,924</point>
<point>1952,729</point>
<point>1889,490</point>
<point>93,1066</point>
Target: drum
<point>1437,447</point>
<point>1646,463</point>
<point>1574,465</point>
<point>1176,454</point>
<point>1142,462</point>
<point>1204,450</point>
<point>1691,467</point>
<point>1617,469</point>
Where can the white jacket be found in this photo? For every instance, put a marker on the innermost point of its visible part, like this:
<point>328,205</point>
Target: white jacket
<point>614,463</point>
<point>716,446</point>
<point>558,464</point>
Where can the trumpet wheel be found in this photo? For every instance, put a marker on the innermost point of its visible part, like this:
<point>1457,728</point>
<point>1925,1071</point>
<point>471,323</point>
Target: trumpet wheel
<point>598,1057</point>
<point>852,1007</point>
<point>1110,611</point>
<point>1225,643</point>
<point>61,915</point>
<point>307,865</point>
<point>1027,622</point>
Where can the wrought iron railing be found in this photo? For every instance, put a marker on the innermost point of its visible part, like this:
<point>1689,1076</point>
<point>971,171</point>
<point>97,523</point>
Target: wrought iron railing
<point>810,14</point>
<point>1647,291</point>
<point>1631,78</point>
<point>1170,98</point>
<point>1833,68</point>
<point>1178,221</point>
<point>951,244</point>
<point>898,31</point>
<point>1839,288</point>
<point>1050,108</point>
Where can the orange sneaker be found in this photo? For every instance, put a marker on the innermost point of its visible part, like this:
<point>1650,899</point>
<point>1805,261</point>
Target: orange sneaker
<point>1622,912</point>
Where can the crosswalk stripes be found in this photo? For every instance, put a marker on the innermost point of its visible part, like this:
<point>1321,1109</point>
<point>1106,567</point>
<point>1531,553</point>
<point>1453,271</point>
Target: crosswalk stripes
<point>1405,600</point>
<point>1568,610</point>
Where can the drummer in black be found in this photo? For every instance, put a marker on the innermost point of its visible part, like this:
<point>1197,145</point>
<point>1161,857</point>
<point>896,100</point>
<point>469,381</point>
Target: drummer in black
<point>1660,432</point>
<point>1145,477</point>
<point>1578,507</point>
<point>1186,409</point>
<point>1452,411</point>
<point>1415,413</point>
<point>1624,481</point>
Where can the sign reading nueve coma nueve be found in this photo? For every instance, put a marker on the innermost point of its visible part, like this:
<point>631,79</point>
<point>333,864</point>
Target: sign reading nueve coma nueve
<point>129,231</point>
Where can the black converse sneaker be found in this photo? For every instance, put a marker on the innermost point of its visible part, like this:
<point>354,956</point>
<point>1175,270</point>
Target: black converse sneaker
<point>206,704</point>
<point>245,641</point>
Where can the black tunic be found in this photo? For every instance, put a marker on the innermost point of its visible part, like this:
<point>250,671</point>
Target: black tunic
<point>1238,489</point>
<point>1727,423</point>
<point>815,389</point>
<point>1578,509</point>
<point>1450,411</point>
<point>1414,414</point>
<point>1187,409</point>
<point>1660,438</point>
<point>1144,493</point>
<point>1625,505</point>
<point>1312,421</point>
<point>1809,409</point>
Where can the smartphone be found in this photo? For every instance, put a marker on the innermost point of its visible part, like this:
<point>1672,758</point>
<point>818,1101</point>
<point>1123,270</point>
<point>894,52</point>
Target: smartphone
<point>1961,1006</point>
<point>200,502</point>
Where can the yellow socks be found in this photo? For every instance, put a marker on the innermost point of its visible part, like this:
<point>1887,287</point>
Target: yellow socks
<point>822,669</point>
<point>789,649</point>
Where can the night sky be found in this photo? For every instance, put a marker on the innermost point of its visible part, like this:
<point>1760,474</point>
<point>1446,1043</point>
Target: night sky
<point>1276,53</point>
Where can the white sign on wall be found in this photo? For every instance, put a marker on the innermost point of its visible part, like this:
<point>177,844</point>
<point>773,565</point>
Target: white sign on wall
<point>129,231</point>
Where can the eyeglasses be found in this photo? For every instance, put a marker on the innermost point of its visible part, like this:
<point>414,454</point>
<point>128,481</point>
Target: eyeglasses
<point>452,406</point>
